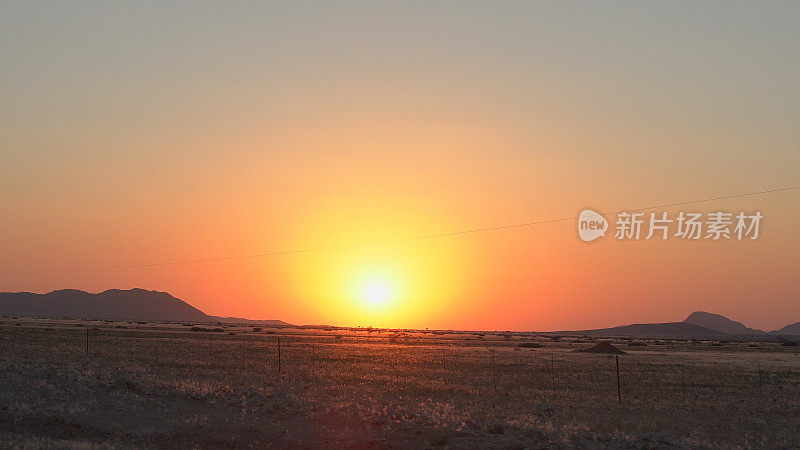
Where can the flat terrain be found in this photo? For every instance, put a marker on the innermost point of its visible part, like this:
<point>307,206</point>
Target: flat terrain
<point>163,385</point>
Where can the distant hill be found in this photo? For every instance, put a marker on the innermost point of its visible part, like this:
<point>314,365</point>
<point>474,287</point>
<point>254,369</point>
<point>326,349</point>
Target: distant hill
<point>669,329</point>
<point>133,304</point>
<point>793,330</point>
<point>698,324</point>
<point>268,322</point>
<point>719,323</point>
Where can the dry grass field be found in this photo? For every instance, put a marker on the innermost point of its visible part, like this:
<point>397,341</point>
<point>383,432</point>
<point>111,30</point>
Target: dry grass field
<point>163,385</point>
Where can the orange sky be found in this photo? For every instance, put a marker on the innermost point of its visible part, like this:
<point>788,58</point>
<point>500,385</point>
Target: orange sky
<point>143,133</point>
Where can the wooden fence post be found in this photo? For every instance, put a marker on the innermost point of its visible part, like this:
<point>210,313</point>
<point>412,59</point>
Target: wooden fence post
<point>760,384</point>
<point>619,388</point>
<point>494,371</point>
<point>683,386</point>
<point>279,355</point>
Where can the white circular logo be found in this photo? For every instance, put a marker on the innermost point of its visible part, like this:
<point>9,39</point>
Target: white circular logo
<point>591,225</point>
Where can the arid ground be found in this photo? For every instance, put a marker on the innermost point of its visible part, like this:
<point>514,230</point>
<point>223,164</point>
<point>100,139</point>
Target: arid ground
<point>164,385</point>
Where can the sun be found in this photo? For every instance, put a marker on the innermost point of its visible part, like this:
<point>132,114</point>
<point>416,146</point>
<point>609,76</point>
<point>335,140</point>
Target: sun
<point>376,289</point>
<point>376,293</point>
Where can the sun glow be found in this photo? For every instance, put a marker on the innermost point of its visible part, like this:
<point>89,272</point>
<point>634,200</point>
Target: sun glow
<point>377,289</point>
<point>395,284</point>
<point>376,293</point>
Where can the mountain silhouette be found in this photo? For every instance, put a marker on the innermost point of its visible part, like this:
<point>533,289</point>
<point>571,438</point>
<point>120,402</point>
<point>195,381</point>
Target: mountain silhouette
<point>698,324</point>
<point>793,330</point>
<point>132,304</point>
<point>719,323</point>
<point>667,329</point>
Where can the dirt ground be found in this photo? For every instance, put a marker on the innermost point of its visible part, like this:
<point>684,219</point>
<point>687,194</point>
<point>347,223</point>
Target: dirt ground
<point>163,385</point>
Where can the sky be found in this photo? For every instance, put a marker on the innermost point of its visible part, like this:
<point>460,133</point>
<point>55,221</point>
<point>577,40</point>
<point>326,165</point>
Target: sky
<point>147,132</point>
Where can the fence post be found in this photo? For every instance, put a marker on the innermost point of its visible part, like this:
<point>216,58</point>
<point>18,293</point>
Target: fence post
<point>619,388</point>
<point>87,340</point>
<point>494,371</point>
<point>761,389</point>
<point>553,373</point>
<point>683,386</point>
<point>279,355</point>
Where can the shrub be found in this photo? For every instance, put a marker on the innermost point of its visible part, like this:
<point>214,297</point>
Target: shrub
<point>529,345</point>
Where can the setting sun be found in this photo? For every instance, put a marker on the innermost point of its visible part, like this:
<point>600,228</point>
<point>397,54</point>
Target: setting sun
<point>376,293</point>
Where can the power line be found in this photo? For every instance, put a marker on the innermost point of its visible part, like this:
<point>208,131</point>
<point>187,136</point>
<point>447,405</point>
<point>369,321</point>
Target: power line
<point>389,241</point>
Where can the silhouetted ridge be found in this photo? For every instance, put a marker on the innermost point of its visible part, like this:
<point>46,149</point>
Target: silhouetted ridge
<point>719,323</point>
<point>131,304</point>
<point>792,330</point>
<point>669,329</point>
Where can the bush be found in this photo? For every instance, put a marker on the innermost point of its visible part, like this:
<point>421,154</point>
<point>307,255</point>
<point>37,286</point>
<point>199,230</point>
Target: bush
<point>212,330</point>
<point>529,345</point>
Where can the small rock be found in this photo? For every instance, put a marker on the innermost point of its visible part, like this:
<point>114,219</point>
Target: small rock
<point>545,409</point>
<point>438,439</point>
<point>537,435</point>
<point>496,428</point>
<point>665,439</point>
<point>584,442</point>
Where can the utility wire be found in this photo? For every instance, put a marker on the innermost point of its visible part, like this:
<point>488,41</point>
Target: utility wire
<point>389,241</point>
